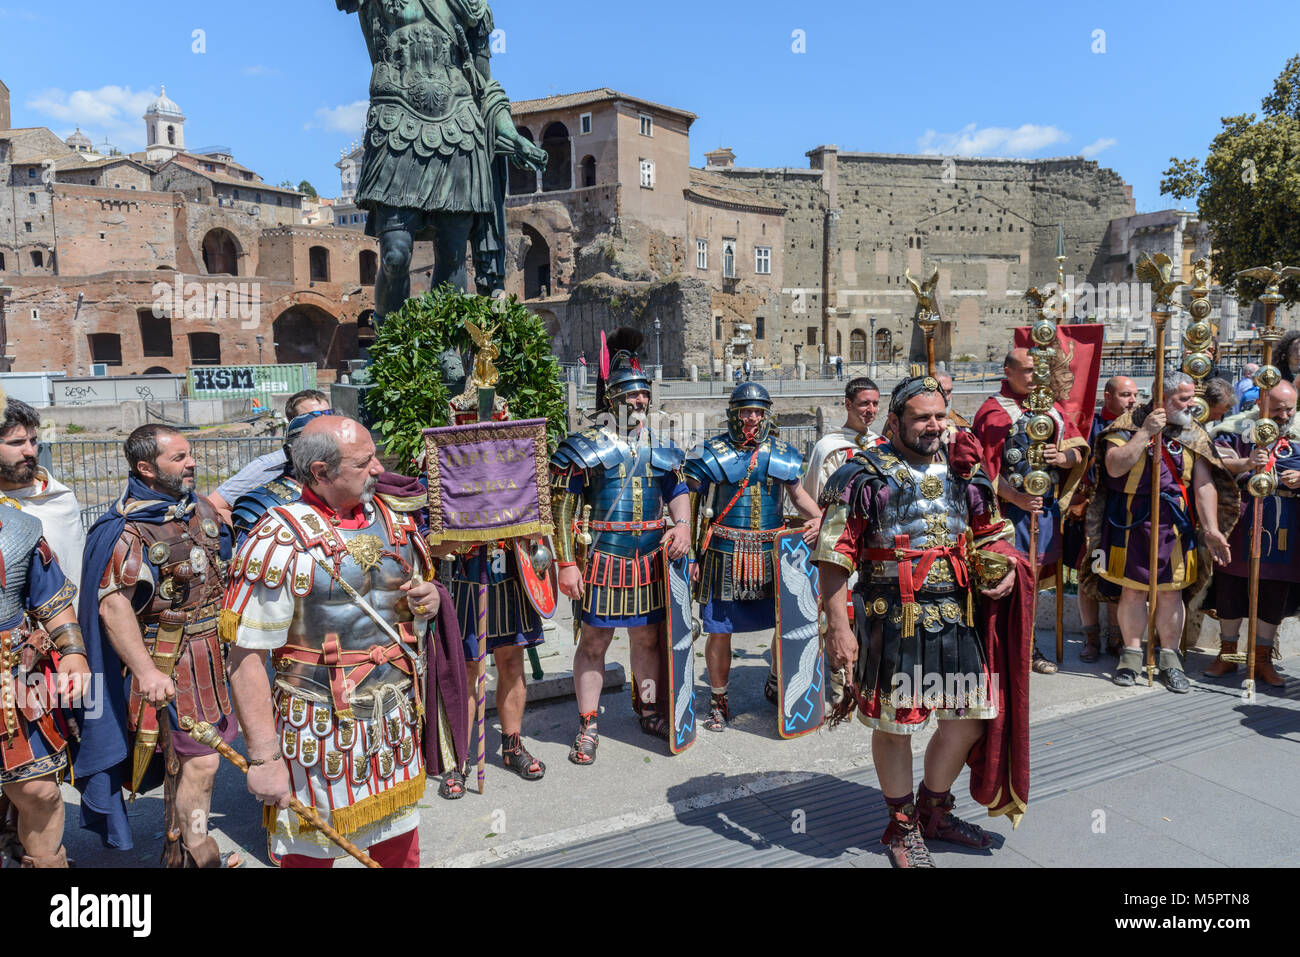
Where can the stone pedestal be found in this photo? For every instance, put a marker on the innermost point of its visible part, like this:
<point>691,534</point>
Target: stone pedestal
<point>350,400</point>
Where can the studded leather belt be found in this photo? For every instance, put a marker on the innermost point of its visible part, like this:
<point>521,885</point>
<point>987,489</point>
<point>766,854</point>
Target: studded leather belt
<point>746,534</point>
<point>627,526</point>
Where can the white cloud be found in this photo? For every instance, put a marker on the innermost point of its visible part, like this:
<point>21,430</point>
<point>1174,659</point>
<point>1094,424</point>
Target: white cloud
<point>349,118</point>
<point>1095,147</point>
<point>115,112</point>
<point>971,140</point>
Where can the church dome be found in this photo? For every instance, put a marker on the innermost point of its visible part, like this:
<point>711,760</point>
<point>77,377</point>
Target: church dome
<point>164,105</point>
<point>80,142</point>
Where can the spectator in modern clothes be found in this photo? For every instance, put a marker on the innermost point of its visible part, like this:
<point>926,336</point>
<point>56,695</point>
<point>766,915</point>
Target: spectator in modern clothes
<point>265,467</point>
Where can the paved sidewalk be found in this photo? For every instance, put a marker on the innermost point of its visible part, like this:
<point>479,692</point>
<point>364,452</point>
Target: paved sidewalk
<point>731,797</point>
<point>1159,780</point>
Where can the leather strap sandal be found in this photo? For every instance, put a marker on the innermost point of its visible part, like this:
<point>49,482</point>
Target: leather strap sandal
<point>517,759</point>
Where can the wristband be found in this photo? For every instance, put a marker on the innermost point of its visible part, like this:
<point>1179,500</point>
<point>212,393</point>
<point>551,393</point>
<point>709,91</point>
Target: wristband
<point>258,763</point>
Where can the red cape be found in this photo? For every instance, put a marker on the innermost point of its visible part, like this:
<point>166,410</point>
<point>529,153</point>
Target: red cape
<point>999,762</point>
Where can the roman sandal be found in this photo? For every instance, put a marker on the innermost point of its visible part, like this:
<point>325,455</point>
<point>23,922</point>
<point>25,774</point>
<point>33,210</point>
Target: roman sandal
<point>517,759</point>
<point>584,745</point>
<point>938,823</point>
<point>453,785</point>
<point>904,839</point>
<point>719,712</point>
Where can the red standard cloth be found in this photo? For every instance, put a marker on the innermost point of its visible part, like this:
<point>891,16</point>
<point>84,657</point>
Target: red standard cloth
<point>999,762</point>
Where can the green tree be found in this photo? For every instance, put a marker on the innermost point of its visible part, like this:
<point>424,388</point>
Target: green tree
<point>1248,189</point>
<point>286,184</point>
<point>308,189</point>
<point>409,393</point>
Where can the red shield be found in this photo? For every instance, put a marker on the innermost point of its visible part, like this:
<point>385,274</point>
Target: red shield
<point>542,590</point>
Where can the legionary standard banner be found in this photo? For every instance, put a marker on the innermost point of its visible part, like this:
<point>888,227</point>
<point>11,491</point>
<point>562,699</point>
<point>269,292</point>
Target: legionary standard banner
<point>488,481</point>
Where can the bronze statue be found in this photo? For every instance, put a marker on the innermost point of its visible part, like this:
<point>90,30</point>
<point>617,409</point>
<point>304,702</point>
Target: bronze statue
<point>438,136</point>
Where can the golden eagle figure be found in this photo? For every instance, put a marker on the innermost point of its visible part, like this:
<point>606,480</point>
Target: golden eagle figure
<point>926,297</point>
<point>1272,276</point>
<point>1157,272</point>
<point>485,372</point>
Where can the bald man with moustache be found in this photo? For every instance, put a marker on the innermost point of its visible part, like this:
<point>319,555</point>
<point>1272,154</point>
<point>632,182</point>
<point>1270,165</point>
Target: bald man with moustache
<point>1119,396</point>
<point>1279,559</point>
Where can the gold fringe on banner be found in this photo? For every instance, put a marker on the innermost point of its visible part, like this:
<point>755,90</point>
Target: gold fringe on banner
<point>486,536</point>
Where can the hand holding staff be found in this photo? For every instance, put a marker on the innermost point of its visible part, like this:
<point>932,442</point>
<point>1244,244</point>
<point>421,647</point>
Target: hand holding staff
<point>205,734</point>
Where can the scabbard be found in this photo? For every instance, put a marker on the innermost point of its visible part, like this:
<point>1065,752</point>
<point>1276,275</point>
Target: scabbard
<point>169,642</point>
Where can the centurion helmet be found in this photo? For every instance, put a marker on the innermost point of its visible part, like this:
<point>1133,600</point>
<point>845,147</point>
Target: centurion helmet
<point>749,395</point>
<point>620,373</point>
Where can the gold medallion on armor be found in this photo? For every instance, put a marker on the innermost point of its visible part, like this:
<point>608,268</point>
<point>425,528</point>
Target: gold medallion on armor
<point>879,606</point>
<point>159,553</point>
<point>360,768</point>
<point>273,575</point>
<point>903,476</point>
<point>254,569</point>
<point>386,763</point>
<point>931,486</point>
<point>930,617</point>
<point>309,752</point>
<point>320,719</point>
<point>167,590</point>
<point>298,712</point>
<point>289,747</point>
<point>198,560</point>
<point>930,384</point>
<point>936,530</point>
<point>393,725</point>
<point>367,551</point>
<point>347,734</point>
<point>950,610</point>
<point>283,706</point>
<point>284,536</point>
<point>333,764</point>
<point>312,522</point>
<point>209,527</point>
<point>301,583</point>
<point>408,750</point>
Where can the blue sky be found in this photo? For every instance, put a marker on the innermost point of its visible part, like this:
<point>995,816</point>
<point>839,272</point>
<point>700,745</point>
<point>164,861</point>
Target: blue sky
<point>280,81</point>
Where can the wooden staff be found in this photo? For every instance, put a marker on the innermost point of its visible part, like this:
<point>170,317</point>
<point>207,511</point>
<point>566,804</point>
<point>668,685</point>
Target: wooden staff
<point>206,735</point>
<point>1159,317</point>
<point>1060,612</point>
<point>481,689</point>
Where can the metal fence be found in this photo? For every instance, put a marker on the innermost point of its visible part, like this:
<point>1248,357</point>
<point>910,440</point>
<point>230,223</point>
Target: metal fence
<point>96,470</point>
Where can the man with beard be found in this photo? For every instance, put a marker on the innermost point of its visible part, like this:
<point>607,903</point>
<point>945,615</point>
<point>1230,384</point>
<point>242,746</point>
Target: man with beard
<point>1195,491</point>
<point>25,485</point>
<point>1000,426</point>
<point>337,588</point>
<point>919,522</point>
<point>629,478</point>
<point>154,573</point>
<point>1279,564</point>
<point>35,491</point>
<point>1118,397</point>
<point>737,482</point>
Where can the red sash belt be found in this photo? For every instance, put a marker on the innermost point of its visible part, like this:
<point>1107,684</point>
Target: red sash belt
<point>909,575</point>
<point>627,526</point>
<point>348,669</point>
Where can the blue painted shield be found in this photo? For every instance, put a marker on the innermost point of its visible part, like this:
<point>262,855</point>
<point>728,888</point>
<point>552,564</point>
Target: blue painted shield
<point>797,651</point>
